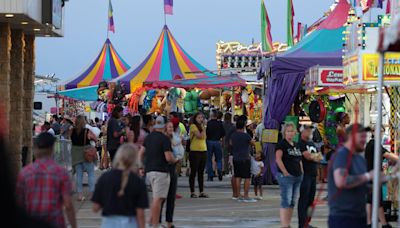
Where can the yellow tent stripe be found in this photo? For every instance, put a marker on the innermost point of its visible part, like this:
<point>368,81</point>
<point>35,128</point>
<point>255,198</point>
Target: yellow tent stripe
<point>89,78</point>
<point>116,62</point>
<point>182,65</point>
<point>141,76</point>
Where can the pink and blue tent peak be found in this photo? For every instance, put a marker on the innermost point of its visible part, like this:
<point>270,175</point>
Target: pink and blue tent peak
<point>107,66</point>
<point>167,61</point>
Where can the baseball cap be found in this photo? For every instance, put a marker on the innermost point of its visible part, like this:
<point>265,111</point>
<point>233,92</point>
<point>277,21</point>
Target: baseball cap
<point>175,121</point>
<point>160,122</point>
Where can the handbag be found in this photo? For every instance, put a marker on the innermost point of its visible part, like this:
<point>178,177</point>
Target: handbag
<point>90,152</point>
<point>178,149</point>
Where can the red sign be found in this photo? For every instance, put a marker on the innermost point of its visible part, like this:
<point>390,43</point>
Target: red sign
<point>330,77</point>
<point>53,110</point>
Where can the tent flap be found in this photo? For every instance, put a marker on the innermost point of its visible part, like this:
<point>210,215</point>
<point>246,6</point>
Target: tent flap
<point>83,94</point>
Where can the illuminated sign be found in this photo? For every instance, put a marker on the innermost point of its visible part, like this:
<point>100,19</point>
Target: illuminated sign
<point>318,76</point>
<point>331,76</point>
<point>237,55</point>
<point>391,69</point>
<point>235,47</point>
<point>363,68</point>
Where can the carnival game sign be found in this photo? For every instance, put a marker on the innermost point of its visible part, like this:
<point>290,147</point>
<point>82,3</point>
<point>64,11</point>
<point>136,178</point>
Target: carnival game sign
<point>391,68</point>
<point>324,76</point>
<point>330,76</point>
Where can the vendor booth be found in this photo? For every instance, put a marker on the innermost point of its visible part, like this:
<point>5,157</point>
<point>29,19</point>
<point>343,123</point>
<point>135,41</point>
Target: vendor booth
<point>322,47</point>
<point>378,73</point>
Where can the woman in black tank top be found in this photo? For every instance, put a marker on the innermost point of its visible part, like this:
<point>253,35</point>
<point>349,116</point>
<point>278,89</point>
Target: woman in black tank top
<point>80,139</point>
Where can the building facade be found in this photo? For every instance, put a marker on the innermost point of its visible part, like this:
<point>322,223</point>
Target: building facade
<point>21,21</point>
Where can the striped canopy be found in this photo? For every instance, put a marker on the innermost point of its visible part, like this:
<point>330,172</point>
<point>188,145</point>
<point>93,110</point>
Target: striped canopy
<point>167,61</point>
<point>202,83</point>
<point>108,65</point>
<point>326,41</point>
<point>82,94</point>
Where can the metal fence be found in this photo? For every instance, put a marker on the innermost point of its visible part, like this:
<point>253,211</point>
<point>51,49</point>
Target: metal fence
<point>62,153</point>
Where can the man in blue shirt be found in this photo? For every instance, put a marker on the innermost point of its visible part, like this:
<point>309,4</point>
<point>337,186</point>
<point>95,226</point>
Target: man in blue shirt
<point>347,183</point>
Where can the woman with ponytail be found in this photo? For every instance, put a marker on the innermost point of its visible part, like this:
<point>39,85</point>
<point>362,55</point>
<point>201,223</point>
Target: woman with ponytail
<point>120,193</point>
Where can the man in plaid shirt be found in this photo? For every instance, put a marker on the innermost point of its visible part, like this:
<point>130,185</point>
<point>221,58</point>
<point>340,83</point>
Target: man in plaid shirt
<point>44,188</point>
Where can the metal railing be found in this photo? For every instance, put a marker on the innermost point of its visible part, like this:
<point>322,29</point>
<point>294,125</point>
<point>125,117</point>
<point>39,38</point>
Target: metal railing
<point>62,153</point>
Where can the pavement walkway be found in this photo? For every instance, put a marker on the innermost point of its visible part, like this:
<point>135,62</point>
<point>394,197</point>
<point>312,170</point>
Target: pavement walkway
<point>218,211</point>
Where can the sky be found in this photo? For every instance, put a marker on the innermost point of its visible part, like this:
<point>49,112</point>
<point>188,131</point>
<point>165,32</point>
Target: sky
<point>196,24</point>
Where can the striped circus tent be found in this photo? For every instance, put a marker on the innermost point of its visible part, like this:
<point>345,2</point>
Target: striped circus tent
<point>167,61</point>
<point>108,65</point>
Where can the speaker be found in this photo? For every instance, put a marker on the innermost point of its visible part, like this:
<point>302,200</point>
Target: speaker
<point>37,105</point>
<point>317,111</point>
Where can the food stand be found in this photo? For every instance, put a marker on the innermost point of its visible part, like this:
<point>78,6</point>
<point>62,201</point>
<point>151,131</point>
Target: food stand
<point>366,68</point>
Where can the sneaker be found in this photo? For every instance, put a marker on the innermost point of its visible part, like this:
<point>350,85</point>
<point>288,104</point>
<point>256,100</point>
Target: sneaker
<point>234,198</point>
<point>203,195</point>
<point>259,198</point>
<point>193,195</point>
<point>240,199</point>
<point>249,200</point>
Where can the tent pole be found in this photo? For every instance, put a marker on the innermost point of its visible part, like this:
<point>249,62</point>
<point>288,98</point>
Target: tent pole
<point>377,149</point>
<point>108,27</point>
<point>233,104</point>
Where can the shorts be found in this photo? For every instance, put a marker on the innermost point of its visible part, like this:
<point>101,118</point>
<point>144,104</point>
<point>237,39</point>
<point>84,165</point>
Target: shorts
<point>112,154</point>
<point>257,180</point>
<point>118,221</point>
<point>242,169</point>
<point>290,188</point>
<point>159,183</point>
<point>344,221</point>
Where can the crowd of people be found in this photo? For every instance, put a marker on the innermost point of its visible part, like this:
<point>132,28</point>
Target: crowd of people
<point>137,151</point>
<point>145,150</point>
<point>349,173</point>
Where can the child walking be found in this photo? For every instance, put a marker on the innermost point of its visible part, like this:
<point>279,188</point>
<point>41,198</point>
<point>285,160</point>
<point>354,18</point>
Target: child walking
<point>258,179</point>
